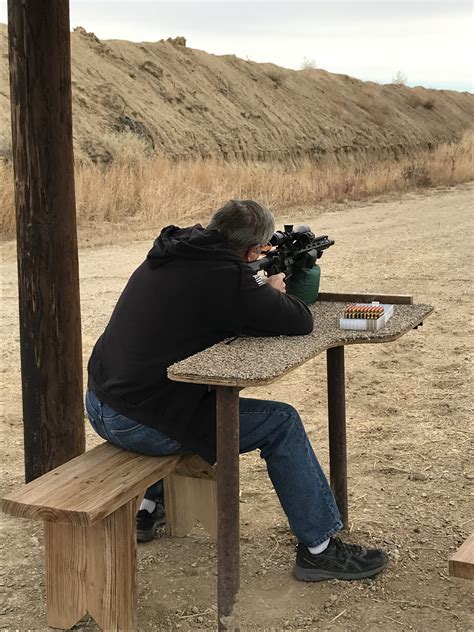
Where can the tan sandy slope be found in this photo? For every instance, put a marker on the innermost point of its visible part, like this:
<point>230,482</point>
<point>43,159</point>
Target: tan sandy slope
<point>184,102</point>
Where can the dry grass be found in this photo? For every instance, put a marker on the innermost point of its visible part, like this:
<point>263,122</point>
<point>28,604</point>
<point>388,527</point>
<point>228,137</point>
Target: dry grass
<point>159,191</point>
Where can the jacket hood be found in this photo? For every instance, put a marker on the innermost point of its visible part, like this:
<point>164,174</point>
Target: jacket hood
<point>194,242</point>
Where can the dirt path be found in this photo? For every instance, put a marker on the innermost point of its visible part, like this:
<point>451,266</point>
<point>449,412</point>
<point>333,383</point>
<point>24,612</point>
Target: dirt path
<point>410,474</point>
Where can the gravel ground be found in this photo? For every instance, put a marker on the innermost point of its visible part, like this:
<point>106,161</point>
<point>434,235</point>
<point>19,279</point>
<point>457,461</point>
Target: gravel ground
<point>408,411</point>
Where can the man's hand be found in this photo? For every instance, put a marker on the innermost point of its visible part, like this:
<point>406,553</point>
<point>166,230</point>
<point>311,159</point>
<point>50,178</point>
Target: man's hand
<point>277,281</point>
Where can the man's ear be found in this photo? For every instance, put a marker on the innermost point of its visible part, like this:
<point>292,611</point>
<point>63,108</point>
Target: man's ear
<point>251,254</point>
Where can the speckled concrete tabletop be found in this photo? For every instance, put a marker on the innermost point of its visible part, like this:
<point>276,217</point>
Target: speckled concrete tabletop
<point>232,363</point>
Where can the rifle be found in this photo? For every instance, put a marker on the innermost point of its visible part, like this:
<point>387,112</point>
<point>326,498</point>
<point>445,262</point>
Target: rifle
<point>292,250</point>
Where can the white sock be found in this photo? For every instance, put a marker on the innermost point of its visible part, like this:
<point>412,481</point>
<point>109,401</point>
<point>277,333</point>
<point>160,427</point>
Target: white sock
<point>149,505</point>
<point>320,548</point>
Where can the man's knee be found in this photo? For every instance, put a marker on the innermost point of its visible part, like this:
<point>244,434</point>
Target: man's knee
<point>288,410</point>
<point>286,420</point>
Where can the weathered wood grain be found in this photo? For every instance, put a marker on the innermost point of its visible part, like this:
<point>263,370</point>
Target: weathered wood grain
<point>88,488</point>
<point>461,563</point>
<point>48,269</point>
<point>92,569</point>
<point>65,556</point>
<point>190,500</point>
<point>196,467</point>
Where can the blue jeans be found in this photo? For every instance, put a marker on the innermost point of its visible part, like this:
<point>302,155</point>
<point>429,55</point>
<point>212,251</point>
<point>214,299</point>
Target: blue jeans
<point>276,430</point>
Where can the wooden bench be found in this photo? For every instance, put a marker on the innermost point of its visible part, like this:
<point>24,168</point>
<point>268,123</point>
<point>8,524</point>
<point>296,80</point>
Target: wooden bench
<point>88,506</point>
<point>461,564</point>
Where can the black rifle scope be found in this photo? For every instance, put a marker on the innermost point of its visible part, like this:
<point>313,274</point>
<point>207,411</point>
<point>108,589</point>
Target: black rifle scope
<point>301,234</point>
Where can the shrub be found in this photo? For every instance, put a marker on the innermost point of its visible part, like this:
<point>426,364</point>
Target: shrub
<point>125,147</point>
<point>276,76</point>
<point>417,175</point>
<point>308,64</point>
<point>400,78</point>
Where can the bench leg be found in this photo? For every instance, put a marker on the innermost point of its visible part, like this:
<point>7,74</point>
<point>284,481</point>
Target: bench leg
<point>189,500</point>
<point>65,550</point>
<point>92,569</point>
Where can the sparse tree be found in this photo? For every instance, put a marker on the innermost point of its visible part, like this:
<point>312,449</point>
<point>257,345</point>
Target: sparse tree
<point>308,63</point>
<point>400,78</point>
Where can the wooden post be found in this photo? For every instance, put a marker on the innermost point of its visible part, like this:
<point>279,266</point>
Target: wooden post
<point>50,327</point>
<point>228,527</point>
<point>337,429</point>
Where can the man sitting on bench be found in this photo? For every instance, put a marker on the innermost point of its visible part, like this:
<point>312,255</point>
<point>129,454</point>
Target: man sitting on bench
<point>193,290</point>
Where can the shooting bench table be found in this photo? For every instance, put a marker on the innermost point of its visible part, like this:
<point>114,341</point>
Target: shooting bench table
<point>230,366</point>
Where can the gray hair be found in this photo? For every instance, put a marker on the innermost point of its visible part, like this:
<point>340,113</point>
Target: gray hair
<point>243,223</point>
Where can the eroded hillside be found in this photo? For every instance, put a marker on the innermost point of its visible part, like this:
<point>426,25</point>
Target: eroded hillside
<point>186,103</point>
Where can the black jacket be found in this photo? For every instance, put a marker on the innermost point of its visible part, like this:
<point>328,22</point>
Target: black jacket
<point>190,293</point>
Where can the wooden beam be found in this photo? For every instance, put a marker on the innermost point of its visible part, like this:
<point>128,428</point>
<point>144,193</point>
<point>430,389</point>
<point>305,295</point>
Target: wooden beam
<point>89,487</point>
<point>461,563</point>
<point>48,274</point>
<point>92,569</point>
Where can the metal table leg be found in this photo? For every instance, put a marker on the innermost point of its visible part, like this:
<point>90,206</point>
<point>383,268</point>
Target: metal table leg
<point>228,550</point>
<point>337,429</point>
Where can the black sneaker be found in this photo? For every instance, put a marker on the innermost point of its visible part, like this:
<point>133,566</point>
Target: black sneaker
<point>338,561</point>
<point>148,523</point>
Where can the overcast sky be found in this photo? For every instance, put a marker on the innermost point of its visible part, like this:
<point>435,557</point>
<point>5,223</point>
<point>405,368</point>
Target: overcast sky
<point>429,42</point>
